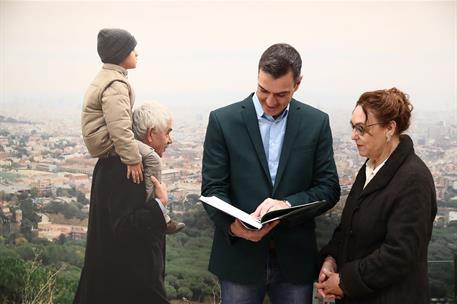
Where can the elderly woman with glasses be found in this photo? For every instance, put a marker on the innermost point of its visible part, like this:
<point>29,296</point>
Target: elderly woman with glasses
<point>378,253</point>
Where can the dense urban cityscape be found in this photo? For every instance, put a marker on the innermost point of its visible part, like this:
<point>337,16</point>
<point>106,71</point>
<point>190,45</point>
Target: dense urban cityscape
<point>38,157</point>
<point>45,175</point>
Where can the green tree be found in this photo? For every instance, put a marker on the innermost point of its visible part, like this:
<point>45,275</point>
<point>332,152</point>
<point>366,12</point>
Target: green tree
<point>12,272</point>
<point>62,192</point>
<point>34,192</point>
<point>28,210</point>
<point>26,226</point>
<point>81,198</point>
<point>192,198</point>
<point>69,210</point>
<point>62,239</point>
<point>67,283</point>
<point>171,291</point>
<point>39,284</point>
<point>184,292</point>
<point>27,252</point>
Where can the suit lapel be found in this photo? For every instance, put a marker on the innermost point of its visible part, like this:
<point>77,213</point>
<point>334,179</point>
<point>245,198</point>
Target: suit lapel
<point>250,119</point>
<point>293,124</point>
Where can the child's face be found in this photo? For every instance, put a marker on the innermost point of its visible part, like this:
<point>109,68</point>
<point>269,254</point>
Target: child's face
<point>130,61</point>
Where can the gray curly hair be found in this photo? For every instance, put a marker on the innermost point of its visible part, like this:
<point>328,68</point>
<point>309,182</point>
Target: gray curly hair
<point>150,115</point>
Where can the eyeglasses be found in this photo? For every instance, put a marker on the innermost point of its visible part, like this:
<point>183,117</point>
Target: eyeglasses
<point>361,128</point>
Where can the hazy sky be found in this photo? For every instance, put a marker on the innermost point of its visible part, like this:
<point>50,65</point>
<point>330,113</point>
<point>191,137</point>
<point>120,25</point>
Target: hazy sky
<point>206,53</point>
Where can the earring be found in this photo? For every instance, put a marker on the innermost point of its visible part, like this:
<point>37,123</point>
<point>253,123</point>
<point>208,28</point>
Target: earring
<point>388,137</point>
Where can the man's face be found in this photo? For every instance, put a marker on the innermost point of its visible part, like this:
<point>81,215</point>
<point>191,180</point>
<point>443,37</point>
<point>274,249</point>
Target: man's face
<point>161,139</point>
<point>275,94</point>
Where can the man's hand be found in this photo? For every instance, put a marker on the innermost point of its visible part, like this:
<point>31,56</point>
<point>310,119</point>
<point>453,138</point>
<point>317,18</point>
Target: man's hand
<point>329,266</point>
<point>160,190</point>
<point>251,235</point>
<point>269,204</point>
<point>330,288</point>
<point>136,172</point>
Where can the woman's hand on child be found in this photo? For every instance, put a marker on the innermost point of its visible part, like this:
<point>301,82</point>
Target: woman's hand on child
<point>136,172</point>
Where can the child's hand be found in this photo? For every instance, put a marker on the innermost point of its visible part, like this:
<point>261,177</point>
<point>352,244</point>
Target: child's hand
<point>136,172</point>
<point>160,190</point>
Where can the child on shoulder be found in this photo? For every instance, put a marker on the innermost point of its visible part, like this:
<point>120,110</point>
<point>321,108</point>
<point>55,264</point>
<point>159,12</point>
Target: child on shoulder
<point>106,118</point>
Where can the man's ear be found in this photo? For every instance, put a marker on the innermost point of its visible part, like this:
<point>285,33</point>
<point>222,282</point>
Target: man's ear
<point>149,134</point>
<point>297,83</point>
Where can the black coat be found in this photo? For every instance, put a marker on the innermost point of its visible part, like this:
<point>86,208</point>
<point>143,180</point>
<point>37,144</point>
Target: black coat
<point>125,250</point>
<point>381,243</point>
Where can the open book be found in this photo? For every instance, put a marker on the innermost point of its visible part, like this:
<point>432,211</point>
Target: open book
<point>300,212</point>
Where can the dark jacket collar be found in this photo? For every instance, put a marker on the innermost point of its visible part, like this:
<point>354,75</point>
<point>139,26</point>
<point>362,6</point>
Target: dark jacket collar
<point>293,122</point>
<point>250,119</point>
<point>387,172</point>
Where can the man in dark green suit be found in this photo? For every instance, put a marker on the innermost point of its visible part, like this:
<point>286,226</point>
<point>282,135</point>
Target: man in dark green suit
<point>267,152</point>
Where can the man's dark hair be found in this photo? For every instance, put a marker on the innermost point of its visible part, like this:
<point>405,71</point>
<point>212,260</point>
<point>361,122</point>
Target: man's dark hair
<point>279,59</point>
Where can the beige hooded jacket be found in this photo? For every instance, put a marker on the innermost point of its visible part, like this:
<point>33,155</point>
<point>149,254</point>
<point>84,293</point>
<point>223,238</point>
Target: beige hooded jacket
<point>106,119</point>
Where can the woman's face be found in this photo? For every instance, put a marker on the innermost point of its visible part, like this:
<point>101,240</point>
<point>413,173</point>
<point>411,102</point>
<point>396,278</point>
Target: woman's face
<point>368,134</point>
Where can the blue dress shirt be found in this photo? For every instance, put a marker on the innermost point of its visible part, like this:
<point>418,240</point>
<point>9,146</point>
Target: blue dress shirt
<point>272,132</point>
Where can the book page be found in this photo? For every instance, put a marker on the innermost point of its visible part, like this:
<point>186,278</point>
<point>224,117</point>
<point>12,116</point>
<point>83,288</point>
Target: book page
<point>231,210</point>
<point>286,212</point>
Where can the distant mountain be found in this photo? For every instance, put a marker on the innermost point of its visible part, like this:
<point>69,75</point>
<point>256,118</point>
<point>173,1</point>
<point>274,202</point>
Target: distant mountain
<point>13,120</point>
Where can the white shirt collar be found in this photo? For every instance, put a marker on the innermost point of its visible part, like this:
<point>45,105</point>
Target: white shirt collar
<point>371,171</point>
